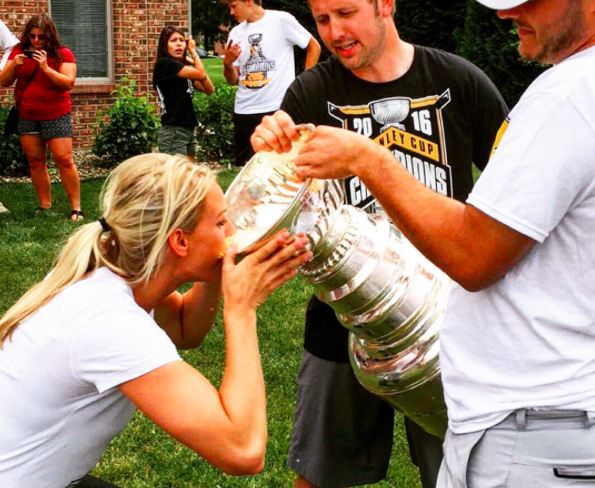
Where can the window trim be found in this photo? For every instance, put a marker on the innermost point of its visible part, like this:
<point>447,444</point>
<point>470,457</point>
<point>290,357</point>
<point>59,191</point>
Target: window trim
<point>110,49</point>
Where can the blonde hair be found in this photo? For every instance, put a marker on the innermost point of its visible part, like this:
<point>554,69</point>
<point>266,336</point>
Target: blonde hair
<point>143,200</point>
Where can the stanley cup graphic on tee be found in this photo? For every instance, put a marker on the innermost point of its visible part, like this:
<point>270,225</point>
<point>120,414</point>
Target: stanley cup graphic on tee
<point>257,66</point>
<point>412,129</point>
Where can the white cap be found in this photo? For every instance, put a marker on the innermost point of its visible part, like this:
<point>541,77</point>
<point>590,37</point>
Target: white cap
<point>502,4</point>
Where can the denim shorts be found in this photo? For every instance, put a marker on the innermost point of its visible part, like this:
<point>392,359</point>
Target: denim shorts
<point>173,139</point>
<point>60,127</point>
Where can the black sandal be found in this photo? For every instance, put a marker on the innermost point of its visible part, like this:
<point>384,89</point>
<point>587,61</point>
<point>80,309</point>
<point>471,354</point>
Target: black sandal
<point>76,215</point>
<point>43,209</point>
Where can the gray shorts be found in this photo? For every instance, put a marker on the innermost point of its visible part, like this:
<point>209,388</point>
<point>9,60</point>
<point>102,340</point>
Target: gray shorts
<point>528,449</point>
<point>58,128</point>
<point>342,434</point>
<point>177,140</point>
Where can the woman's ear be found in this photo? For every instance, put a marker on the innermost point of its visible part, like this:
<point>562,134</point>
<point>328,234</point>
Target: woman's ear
<point>178,243</point>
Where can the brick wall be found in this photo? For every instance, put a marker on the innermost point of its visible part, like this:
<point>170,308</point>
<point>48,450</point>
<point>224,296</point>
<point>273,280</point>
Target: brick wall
<point>136,28</point>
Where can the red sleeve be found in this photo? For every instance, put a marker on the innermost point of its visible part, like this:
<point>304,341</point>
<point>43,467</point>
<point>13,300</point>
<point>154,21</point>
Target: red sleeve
<point>16,50</point>
<point>67,55</point>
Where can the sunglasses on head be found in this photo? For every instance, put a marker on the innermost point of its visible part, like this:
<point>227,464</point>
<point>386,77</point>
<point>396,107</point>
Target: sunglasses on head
<point>41,37</point>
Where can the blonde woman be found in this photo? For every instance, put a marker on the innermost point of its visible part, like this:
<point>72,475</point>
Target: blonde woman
<point>99,336</point>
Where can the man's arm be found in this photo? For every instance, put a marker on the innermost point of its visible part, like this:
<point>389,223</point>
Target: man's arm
<point>471,247</point>
<point>7,41</point>
<point>312,53</point>
<point>231,72</point>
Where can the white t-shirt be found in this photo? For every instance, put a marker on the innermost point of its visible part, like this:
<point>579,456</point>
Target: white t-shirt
<point>266,63</point>
<point>59,403</point>
<point>7,41</point>
<point>528,341</point>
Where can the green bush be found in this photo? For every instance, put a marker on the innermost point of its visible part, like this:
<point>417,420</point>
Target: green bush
<point>496,54</point>
<point>131,127</point>
<point>13,161</point>
<point>215,124</point>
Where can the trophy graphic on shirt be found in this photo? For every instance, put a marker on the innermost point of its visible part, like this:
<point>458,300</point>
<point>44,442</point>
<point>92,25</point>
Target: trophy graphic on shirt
<point>255,49</point>
<point>382,289</point>
<point>256,65</point>
<point>391,112</point>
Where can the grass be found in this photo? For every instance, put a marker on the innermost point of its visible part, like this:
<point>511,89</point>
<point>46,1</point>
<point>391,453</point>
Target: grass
<point>143,455</point>
<point>214,67</point>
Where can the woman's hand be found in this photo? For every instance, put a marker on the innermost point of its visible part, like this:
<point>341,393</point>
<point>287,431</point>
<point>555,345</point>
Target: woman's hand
<point>191,43</point>
<point>42,58</point>
<point>19,59</point>
<point>248,284</point>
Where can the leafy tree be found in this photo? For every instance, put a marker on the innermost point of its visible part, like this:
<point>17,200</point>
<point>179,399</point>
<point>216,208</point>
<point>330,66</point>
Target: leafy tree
<point>207,18</point>
<point>491,44</point>
<point>431,23</point>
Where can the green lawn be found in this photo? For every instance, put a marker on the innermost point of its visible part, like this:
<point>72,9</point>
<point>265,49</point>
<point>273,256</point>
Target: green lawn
<point>143,456</point>
<point>214,67</point>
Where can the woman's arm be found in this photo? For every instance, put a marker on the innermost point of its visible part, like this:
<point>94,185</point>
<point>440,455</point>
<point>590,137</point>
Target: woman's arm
<point>63,78</point>
<point>227,427</point>
<point>187,318</point>
<point>197,73</point>
<point>9,74</point>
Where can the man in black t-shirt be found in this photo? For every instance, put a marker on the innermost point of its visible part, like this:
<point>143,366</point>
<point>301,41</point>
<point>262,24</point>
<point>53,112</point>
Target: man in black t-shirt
<point>438,114</point>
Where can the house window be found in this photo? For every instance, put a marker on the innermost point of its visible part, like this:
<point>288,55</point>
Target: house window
<point>85,28</point>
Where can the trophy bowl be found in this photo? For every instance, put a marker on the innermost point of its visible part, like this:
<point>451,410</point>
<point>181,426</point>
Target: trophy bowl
<point>267,196</point>
<point>390,111</point>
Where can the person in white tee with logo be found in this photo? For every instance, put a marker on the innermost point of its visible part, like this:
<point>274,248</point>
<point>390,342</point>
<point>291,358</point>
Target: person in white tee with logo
<point>98,338</point>
<point>259,60</point>
<point>7,41</point>
<point>518,337</point>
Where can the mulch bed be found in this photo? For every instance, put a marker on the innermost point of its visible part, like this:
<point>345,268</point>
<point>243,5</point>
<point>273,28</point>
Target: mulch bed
<point>88,166</point>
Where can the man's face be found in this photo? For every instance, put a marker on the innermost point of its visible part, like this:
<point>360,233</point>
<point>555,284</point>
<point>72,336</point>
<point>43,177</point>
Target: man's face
<point>353,30</point>
<point>549,30</point>
<point>239,9</point>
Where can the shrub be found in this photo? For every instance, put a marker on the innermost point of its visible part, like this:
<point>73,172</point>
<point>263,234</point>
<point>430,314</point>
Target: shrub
<point>128,128</point>
<point>13,161</point>
<point>496,54</point>
<point>215,124</point>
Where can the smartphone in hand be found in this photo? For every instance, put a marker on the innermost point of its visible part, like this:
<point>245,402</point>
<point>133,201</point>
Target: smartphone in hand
<point>28,53</point>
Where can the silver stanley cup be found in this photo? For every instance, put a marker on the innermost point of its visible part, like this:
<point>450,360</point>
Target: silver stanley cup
<point>382,289</point>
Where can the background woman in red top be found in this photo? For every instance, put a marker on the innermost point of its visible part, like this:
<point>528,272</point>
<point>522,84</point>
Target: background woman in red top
<point>45,72</point>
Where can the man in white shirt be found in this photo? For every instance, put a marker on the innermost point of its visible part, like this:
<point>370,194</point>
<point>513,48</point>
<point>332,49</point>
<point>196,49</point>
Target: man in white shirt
<point>7,41</point>
<point>518,338</point>
<point>259,60</point>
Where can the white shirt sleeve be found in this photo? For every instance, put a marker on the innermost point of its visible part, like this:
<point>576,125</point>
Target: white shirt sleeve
<point>7,41</point>
<point>542,168</point>
<point>116,347</point>
<point>295,33</point>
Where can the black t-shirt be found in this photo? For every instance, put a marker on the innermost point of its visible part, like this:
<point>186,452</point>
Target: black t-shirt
<point>437,119</point>
<point>175,93</point>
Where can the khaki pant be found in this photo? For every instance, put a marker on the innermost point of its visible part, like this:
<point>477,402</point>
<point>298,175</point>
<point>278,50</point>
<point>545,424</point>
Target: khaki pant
<point>528,449</point>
